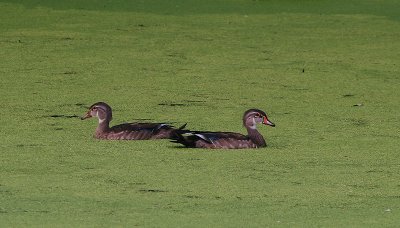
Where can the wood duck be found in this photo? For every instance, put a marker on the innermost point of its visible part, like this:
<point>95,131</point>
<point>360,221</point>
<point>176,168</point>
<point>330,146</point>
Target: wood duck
<point>127,131</point>
<point>228,140</point>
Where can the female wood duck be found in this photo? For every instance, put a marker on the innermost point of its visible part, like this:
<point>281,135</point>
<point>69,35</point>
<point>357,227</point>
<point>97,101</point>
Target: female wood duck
<point>127,131</point>
<point>228,140</point>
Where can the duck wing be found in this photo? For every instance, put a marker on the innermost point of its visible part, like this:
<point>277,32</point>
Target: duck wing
<point>211,137</point>
<point>140,131</point>
<point>208,139</point>
<point>153,127</point>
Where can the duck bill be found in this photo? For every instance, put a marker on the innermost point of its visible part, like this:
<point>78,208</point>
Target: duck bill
<point>267,122</point>
<point>86,116</point>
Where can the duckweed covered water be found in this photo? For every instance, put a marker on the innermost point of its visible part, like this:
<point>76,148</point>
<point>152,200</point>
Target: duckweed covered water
<point>326,73</point>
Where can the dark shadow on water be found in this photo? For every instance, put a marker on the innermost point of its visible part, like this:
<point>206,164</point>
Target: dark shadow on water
<point>81,105</point>
<point>184,103</point>
<point>192,196</point>
<point>193,101</point>
<point>62,116</point>
<point>172,104</point>
<point>70,73</point>
<point>28,145</point>
<point>152,190</point>
<point>359,122</point>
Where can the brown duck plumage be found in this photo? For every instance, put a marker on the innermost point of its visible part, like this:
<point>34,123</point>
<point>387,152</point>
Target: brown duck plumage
<point>228,140</point>
<point>127,131</point>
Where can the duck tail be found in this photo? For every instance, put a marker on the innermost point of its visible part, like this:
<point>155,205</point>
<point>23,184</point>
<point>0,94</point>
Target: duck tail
<point>182,127</point>
<point>177,132</point>
<point>178,136</point>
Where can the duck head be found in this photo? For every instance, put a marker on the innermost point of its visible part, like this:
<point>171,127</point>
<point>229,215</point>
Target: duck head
<point>100,110</point>
<point>252,117</point>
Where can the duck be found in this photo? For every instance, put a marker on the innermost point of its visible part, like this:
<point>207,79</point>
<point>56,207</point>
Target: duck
<point>228,140</point>
<point>127,131</point>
